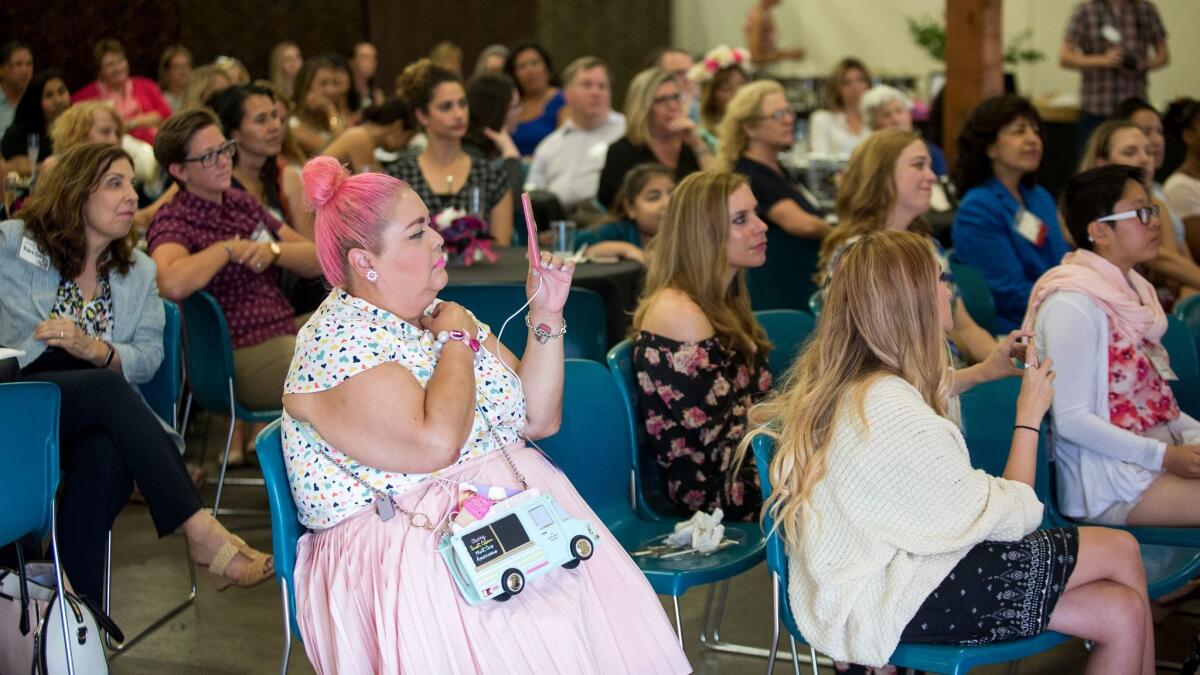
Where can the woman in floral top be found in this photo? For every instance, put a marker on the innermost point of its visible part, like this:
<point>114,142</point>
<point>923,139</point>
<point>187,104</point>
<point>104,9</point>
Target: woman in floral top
<point>1126,454</point>
<point>699,355</point>
<point>392,403</point>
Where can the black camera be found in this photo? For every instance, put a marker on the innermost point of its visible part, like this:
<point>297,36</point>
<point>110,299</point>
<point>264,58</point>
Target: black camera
<point>1128,60</point>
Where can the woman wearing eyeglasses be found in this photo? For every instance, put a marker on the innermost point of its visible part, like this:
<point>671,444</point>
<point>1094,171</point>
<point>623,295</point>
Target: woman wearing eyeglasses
<point>757,127</point>
<point>658,129</point>
<point>1125,453</point>
<point>218,239</point>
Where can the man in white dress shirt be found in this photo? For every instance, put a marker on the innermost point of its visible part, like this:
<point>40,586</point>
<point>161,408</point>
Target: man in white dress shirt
<point>568,162</point>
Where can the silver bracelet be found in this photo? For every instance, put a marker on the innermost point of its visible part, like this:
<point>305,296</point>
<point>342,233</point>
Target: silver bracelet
<point>542,332</point>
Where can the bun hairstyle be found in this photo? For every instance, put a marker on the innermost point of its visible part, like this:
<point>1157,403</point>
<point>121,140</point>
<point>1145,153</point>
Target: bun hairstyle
<point>418,81</point>
<point>351,211</point>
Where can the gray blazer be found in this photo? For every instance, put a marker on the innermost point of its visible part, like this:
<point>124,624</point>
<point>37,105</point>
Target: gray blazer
<point>27,294</point>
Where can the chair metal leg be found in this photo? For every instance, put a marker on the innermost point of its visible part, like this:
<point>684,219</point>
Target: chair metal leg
<point>120,647</point>
<point>225,458</point>
<point>61,586</point>
<point>795,656</point>
<point>678,622</point>
<point>287,628</point>
<point>774,650</point>
<point>813,659</point>
<point>713,640</point>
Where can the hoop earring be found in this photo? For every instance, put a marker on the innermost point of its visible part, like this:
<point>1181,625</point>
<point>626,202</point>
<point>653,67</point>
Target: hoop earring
<point>372,276</point>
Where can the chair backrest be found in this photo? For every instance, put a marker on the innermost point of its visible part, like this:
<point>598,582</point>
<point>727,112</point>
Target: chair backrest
<point>788,330</point>
<point>988,411</point>
<point>209,351</point>
<point>29,453</point>
<point>976,295</point>
<point>595,445</point>
<point>1188,311</point>
<point>764,451</point>
<point>585,313</point>
<point>785,281</point>
<point>1181,345</point>
<point>649,480</point>
<point>163,390</point>
<point>285,525</point>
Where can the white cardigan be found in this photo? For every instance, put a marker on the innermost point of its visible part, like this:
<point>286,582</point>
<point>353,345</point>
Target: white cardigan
<point>898,508</point>
<point>1099,463</point>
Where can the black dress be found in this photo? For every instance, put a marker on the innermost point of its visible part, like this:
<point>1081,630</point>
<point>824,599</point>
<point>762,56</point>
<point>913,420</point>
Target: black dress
<point>623,156</point>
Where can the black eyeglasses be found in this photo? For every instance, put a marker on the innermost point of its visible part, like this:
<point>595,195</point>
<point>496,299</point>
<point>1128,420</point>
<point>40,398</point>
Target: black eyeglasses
<point>669,98</point>
<point>209,159</point>
<point>1145,215</point>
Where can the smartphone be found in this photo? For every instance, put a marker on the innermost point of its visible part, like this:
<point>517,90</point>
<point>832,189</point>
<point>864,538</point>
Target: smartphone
<point>531,233</point>
<point>1031,357</point>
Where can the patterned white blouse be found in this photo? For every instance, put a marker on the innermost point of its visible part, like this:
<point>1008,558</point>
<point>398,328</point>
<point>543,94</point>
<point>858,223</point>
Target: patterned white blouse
<point>347,336</point>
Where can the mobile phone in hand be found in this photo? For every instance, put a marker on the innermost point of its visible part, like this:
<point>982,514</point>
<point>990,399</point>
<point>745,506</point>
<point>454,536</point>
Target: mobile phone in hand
<point>531,233</point>
<point>1031,356</point>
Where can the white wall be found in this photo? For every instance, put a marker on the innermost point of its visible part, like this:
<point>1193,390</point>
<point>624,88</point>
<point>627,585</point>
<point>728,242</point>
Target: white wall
<point>876,32</point>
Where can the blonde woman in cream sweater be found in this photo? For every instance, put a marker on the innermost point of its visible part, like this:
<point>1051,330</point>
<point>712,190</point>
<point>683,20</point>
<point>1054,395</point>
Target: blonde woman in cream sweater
<point>891,535</point>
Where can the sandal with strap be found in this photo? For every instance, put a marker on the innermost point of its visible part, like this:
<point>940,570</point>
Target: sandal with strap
<point>259,566</point>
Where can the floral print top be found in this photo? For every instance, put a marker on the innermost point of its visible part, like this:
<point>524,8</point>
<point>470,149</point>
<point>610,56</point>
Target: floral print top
<point>93,317</point>
<point>694,398</point>
<point>1138,397</point>
<point>347,336</point>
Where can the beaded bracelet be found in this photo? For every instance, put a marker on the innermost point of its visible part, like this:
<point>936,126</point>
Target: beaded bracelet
<point>542,332</point>
<point>108,359</point>
<point>457,335</point>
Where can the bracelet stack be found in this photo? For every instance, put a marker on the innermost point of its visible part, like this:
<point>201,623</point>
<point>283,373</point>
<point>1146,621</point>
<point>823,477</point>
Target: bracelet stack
<point>542,332</point>
<point>443,337</point>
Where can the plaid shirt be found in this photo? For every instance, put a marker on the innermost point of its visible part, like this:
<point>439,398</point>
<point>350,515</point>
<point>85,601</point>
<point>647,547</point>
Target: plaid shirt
<point>1104,88</point>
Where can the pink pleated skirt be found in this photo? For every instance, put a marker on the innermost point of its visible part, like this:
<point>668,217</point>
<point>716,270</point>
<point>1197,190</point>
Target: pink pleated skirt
<point>376,597</point>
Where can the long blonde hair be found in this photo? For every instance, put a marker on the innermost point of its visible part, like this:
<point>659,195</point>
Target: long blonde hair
<point>880,318</point>
<point>639,100</point>
<point>867,192</point>
<point>743,109</point>
<point>688,255</point>
<point>1099,144</point>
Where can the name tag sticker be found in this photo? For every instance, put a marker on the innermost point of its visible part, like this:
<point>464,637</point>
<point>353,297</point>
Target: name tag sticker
<point>1162,363</point>
<point>33,255</point>
<point>1031,227</point>
<point>262,234</point>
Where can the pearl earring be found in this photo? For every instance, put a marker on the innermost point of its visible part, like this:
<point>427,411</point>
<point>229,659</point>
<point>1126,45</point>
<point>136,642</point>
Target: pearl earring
<point>372,276</point>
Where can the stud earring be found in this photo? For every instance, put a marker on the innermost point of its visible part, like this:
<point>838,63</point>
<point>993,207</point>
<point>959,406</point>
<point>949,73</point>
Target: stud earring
<point>372,276</point>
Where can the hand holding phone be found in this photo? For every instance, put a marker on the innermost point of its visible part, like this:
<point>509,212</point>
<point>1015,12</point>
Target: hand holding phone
<point>531,233</point>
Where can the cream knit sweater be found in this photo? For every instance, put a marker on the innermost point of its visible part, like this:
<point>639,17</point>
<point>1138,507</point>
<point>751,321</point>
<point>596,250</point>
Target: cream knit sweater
<point>898,507</point>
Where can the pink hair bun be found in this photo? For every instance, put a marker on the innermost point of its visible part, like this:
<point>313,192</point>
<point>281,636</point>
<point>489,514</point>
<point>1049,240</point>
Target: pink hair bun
<point>322,177</point>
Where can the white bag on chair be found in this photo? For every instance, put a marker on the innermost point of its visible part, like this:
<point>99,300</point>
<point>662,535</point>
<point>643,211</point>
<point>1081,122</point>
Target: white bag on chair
<point>41,651</point>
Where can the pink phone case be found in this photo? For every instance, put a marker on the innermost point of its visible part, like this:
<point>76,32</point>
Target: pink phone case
<point>531,239</point>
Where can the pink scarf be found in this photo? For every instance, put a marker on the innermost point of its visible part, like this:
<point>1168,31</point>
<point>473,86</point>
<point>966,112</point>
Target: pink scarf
<point>1131,305</point>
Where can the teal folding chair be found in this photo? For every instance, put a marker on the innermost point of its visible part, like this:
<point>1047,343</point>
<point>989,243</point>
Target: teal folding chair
<point>1188,311</point>
<point>976,295</point>
<point>1187,389</point>
<point>162,394</point>
<point>596,448</point>
<point>585,314</point>
<point>1181,346</point>
<point>285,530</point>
<point>210,369</point>
<point>788,330</point>
<point>785,281</point>
<point>952,659</point>
<point>29,452</point>
<point>1171,555</point>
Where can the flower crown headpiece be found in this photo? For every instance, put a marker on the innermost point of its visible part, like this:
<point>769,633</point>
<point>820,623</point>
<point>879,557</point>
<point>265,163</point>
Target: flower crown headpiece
<point>716,59</point>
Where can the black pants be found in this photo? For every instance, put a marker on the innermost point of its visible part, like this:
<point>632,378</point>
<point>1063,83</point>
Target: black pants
<point>109,438</point>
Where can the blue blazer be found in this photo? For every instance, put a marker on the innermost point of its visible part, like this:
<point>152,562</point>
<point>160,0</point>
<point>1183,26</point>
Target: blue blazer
<point>27,294</point>
<point>985,237</point>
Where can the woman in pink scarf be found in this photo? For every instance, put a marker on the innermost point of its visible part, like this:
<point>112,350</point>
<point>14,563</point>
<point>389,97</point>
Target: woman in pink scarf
<point>1125,453</point>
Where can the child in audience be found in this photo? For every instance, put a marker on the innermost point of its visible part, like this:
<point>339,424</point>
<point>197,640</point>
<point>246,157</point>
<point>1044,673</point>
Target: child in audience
<point>892,535</point>
<point>699,355</point>
<point>640,205</point>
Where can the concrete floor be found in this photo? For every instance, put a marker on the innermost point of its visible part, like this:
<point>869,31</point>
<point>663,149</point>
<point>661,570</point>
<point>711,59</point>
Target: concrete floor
<point>239,631</point>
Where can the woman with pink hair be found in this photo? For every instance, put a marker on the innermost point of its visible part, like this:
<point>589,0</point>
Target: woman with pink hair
<point>394,400</point>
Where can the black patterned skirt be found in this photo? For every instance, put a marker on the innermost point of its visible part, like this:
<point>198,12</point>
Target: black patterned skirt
<point>999,591</point>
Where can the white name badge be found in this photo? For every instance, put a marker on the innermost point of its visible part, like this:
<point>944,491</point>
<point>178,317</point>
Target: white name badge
<point>1162,363</point>
<point>1031,227</point>
<point>33,255</point>
<point>1110,33</point>
<point>261,234</point>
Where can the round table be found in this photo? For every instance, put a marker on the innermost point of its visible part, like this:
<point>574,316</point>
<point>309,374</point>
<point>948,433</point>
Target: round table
<point>617,283</point>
